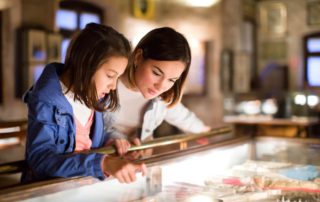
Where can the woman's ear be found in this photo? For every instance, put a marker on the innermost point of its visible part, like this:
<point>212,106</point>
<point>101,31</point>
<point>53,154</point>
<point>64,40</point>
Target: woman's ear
<point>137,56</point>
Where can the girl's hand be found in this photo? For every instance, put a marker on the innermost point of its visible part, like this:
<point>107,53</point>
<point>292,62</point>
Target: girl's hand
<point>122,169</point>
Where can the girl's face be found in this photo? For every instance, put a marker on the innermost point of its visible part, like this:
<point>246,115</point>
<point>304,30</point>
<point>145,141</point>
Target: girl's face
<point>105,78</point>
<point>153,77</point>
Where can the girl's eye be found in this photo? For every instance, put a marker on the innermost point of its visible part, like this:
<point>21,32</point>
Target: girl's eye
<point>173,81</point>
<point>110,76</point>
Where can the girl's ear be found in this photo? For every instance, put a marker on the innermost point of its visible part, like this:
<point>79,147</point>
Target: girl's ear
<point>137,56</point>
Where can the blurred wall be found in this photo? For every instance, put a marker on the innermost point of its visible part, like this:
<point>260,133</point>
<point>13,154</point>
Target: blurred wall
<point>220,27</point>
<point>291,41</point>
<point>200,24</point>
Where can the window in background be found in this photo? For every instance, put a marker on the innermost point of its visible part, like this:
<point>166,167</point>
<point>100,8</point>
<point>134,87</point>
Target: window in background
<point>86,18</point>
<point>312,60</point>
<point>313,45</point>
<point>313,71</point>
<point>66,19</point>
<point>1,89</point>
<point>73,16</point>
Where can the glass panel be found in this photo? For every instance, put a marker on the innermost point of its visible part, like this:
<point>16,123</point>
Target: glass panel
<point>161,180</point>
<point>313,71</point>
<point>86,18</point>
<point>64,47</point>
<point>313,45</point>
<point>66,19</point>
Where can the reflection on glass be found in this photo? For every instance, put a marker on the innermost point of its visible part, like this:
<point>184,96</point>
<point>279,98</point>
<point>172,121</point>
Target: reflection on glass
<point>66,19</point>
<point>313,45</point>
<point>86,18</point>
<point>313,71</point>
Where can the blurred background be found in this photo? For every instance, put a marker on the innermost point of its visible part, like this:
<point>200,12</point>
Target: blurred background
<point>251,59</point>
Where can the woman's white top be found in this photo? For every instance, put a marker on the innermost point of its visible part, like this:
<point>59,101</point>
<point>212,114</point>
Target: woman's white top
<point>129,115</point>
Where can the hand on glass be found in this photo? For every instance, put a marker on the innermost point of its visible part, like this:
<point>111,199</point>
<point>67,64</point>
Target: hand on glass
<point>122,169</point>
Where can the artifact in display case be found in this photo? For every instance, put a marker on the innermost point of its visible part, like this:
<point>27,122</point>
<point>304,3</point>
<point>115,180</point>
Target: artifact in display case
<point>258,105</point>
<point>291,114</point>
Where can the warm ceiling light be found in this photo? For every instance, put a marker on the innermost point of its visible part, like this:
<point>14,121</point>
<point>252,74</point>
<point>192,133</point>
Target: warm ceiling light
<point>200,3</point>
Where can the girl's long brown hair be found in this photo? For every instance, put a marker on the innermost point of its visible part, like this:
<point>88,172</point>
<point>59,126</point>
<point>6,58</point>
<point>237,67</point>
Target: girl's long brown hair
<point>88,50</point>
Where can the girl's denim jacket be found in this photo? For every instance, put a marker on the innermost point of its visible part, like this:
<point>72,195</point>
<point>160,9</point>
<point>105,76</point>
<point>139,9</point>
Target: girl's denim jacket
<point>156,112</point>
<point>51,133</point>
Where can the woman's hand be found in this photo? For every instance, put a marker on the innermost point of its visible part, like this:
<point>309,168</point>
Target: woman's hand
<point>206,129</point>
<point>121,145</point>
<point>204,140</point>
<point>134,155</point>
<point>122,169</point>
<point>135,141</point>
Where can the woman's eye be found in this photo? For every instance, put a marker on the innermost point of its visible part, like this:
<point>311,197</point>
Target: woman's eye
<point>110,76</point>
<point>156,73</point>
<point>173,81</point>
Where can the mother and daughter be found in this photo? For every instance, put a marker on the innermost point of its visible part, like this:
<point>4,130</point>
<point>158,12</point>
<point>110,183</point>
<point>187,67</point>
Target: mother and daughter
<point>75,106</point>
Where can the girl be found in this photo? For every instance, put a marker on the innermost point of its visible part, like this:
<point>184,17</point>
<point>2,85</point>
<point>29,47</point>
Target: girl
<point>65,110</point>
<point>151,88</point>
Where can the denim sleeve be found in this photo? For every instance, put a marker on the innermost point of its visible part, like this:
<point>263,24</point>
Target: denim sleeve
<point>48,144</point>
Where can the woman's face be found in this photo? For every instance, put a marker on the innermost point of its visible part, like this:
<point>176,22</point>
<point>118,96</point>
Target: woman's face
<point>105,78</point>
<point>153,77</point>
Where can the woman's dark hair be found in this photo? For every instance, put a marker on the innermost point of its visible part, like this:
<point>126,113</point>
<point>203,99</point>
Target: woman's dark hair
<point>164,44</point>
<point>88,50</point>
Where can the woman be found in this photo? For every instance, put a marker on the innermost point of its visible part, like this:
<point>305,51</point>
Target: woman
<point>150,90</point>
<point>65,110</point>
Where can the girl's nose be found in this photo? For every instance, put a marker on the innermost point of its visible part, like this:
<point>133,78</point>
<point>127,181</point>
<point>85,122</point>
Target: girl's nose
<point>113,85</point>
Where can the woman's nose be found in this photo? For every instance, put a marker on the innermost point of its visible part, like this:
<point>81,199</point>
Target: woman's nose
<point>160,85</point>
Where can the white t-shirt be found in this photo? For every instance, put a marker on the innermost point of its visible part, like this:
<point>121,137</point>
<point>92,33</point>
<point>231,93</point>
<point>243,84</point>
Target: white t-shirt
<point>128,117</point>
<point>80,110</point>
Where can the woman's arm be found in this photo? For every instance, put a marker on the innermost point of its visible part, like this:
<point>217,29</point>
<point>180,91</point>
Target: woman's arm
<point>185,120</point>
<point>116,138</point>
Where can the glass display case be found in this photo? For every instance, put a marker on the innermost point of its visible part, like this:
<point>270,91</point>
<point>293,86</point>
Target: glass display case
<point>224,167</point>
<point>291,114</point>
<point>293,104</point>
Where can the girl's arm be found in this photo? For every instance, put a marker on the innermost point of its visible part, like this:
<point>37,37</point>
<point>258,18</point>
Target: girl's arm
<point>48,154</point>
<point>45,160</point>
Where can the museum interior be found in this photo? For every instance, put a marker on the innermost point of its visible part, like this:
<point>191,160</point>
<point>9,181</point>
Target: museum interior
<point>254,78</point>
